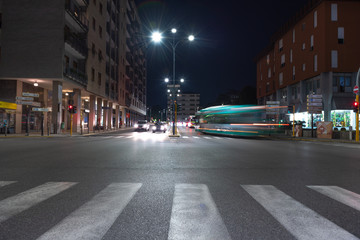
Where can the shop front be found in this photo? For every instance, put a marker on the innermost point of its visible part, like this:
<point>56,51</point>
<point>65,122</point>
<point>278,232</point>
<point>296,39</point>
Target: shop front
<point>7,117</point>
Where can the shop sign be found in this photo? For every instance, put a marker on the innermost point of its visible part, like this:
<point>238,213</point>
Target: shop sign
<point>25,98</point>
<point>315,104</point>
<point>41,109</point>
<point>36,104</point>
<point>7,105</point>
<point>26,94</point>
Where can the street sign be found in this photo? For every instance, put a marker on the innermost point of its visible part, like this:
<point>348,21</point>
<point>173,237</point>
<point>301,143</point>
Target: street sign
<point>7,105</point>
<point>317,104</point>
<point>41,109</point>
<point>356,89</point>
<point>26,94</point>
<point>25,98</point>
<point>272,102</point>
<point>314,96</point>
<point>318,100</point>
<point>36,104</point>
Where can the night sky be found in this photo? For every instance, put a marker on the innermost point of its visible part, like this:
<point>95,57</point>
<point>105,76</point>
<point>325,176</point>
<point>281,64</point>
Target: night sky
<point>229,35</point>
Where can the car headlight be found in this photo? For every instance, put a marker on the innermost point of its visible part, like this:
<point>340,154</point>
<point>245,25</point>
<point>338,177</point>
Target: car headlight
<point>154,127</point>
<point>162,128</point>
<point>136,125</point>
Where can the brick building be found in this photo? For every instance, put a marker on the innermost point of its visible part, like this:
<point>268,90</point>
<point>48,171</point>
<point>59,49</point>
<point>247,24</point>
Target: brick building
<point>317,51</point>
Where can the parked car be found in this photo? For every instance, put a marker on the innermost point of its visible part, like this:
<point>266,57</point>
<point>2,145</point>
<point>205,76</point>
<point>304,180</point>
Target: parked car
<point>159,127</point>
<point>142,125</point>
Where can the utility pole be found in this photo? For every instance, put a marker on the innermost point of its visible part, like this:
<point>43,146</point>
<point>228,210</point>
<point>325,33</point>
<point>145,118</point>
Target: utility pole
<point>357,112</point>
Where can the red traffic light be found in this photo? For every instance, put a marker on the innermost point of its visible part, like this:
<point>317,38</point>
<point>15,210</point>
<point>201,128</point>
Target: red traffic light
<point>70,106</point>
<point>356,104</point>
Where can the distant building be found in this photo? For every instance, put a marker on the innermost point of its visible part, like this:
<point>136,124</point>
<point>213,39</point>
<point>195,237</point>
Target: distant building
<point>188,103</point>
<point>79,50</point>
<point>316,52</point>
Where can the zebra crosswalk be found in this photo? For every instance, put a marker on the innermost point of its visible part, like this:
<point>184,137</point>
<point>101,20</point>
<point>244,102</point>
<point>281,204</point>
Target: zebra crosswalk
<point>194,212</point>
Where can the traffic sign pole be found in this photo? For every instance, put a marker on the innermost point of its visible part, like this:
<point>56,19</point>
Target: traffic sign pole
<point>357,114</point>
<point>294,120</point>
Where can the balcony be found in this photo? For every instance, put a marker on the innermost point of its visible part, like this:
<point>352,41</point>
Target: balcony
<point>75,75</point>
<point>76,16</point>
<point>76,45</point>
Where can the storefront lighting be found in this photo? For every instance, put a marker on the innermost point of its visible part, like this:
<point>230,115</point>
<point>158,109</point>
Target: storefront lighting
<point>66,94</point>
<point>36,84</point>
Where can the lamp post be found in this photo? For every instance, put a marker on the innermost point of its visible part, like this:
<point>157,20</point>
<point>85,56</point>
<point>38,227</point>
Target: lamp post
<point>157,37</point>
<point>357,112</point>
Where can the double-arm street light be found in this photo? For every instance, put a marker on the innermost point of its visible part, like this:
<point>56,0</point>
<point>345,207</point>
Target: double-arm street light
<point>157,38</point>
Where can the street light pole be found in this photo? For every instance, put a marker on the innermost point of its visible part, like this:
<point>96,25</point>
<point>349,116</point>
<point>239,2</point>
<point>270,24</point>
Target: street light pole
<point>174,97</point>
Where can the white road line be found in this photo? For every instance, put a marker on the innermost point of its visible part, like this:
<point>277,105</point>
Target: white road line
<point>194,214</point>
<point>207,137</point>
<point>22,201</point>
<point>185,137</point>
<point>130,137</point>
<point>120,136</point>
<point>342,195</point>
<point>218,137</point>
<point>300,221</point>
<point>4,183</point>
<point>93,219</point>
<point>195,137</point>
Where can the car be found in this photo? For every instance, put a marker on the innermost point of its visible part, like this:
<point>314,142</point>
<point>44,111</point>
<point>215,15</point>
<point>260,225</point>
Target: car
<point>159,127</point>
<point>142,125</point>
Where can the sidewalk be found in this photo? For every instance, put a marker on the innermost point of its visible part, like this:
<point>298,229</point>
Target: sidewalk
<point>309,139</point>
<point>65,134</point>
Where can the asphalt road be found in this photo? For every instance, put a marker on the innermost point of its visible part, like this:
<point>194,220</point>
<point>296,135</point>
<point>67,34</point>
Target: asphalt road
<point>143,185</point>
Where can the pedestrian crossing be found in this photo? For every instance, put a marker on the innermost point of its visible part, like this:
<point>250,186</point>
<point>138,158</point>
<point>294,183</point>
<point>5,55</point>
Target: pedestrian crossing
<point>160,137</point>
<point>194,212</point>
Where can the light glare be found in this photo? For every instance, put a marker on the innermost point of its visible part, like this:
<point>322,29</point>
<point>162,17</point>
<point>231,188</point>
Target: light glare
<point>156,36</point>
<point>166,79</point>
<point>173,30</point>
<point>191,38</point>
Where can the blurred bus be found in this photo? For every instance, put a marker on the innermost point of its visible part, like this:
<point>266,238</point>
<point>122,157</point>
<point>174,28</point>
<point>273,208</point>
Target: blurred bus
<point>239,120</point>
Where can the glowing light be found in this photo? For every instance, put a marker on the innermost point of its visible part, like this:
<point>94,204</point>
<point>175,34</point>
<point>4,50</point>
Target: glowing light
<point>166,79</point>
<point>156,37</point>
<point>173,30</point>
<point>191,38</point>
<point>66,94</point>
<point>182,80</point>
<point>36,84</point>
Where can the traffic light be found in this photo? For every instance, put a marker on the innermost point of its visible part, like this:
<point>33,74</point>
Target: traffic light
<point>71,108</point>
<point>356,107</point>
<point>74,109</point>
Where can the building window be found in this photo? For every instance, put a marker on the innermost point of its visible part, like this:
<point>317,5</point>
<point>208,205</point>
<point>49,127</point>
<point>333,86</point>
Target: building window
<point>303,26</point>
<point>99,78</point>
<point>261,77</point>
<point>92,74</point>
<point>293,37</point>
<point>100,8</point>
<point>291,56</point>
<point>334,14</point>
<point>293,72</point>
<point>280,45</point>
<point>283,60</point>
<point>269,73</point>
<point>340,35</point>
<point>100,55</point>
<point>304,67</point>
<point>294,92</point>
<point>281,79</point>
<point>315,63</point>
<point>268,59</point>
<point>334,59</point>
<point>100,31</point>
<point>315,19</point>
<point>303,46</point>
<point>93,51</point>
<point>342,84</point>
<point>94,24</point>
<point>267,87</point>
<point>311,42</point>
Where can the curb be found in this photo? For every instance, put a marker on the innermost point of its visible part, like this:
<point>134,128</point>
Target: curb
<point>314,140</point>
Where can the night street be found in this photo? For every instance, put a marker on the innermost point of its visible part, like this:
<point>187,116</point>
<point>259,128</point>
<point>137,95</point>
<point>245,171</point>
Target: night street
<point>144,185</point>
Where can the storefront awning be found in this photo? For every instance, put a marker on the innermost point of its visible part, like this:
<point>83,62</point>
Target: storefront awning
<point>342,103</point>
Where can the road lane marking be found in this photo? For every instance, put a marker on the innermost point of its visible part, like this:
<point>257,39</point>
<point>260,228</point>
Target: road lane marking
<point>22,201</point>
<point>120,136</point>
<point>185,137</point>
<point>195,137</point>
<point>339,194</point>
<point>207,137</point>
<point>4,183</point>
<point>302,222</point>
<point>93,219</point>
<point>194,214</point>
<point>218,137</point>
<point>130,137</point>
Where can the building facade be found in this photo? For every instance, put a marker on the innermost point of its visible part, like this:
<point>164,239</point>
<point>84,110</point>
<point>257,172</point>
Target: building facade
<point>188,104</point>
<point>70,52</point>
<point>316,52</point>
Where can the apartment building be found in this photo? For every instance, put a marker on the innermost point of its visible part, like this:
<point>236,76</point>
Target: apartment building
<point>70,52</point>
<point>188,105</point>
<point>316,52</point>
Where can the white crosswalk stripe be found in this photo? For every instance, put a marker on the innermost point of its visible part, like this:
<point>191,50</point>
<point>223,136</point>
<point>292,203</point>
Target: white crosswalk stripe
<point>22,201</point>
<point>299,220</point>
<point>119,136</point>
<point>185,137</point>
<point>4,183</point>
<point>129,136</point>
<point>207,137</point>
<point>339,194</point>
<point>94,218</point>
<point>194,214</point>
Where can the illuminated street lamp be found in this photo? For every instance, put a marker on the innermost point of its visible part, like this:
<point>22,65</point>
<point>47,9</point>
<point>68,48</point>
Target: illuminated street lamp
<point>166,80</point>
<point>157,37</point>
